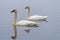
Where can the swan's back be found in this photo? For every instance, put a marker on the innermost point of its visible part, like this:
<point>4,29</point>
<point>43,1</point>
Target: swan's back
<point>36,17</point>
<point>26,22</point>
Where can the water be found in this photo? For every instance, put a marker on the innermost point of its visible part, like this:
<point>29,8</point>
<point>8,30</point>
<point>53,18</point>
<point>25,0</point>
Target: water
<point>46,31</point>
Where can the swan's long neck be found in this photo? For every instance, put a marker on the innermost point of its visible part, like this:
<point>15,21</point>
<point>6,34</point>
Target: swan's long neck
<point>15,18</point>
<point>28,13</point>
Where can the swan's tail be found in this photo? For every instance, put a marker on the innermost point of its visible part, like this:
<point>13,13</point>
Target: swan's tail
<point>45,17</point>
<point>36,25</point>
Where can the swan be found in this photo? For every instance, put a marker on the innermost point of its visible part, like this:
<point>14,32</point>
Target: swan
<point>22,22</point>
<point>35,17</point>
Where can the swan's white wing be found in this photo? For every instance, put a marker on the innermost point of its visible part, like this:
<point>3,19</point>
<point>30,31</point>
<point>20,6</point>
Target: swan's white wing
<point>37,17</point>
<point>25,23</point>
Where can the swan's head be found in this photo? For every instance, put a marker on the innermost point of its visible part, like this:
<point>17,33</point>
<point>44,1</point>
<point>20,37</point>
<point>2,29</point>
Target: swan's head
<point>14,10</point>
<point>27,7</point>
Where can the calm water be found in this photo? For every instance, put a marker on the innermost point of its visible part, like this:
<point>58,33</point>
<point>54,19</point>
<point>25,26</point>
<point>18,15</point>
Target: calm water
<point>46,31</point>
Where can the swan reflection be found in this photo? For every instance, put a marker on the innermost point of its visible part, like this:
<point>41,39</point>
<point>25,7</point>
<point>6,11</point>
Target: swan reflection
<point>27,29</point>
<point>15,33</point>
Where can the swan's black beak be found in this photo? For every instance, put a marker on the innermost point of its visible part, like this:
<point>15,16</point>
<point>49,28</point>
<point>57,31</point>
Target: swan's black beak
<point>26,7</point>
<point>12,11</point>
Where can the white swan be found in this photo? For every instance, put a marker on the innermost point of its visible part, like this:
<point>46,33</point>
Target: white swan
<point>35,17</point>
<point>22,22</point>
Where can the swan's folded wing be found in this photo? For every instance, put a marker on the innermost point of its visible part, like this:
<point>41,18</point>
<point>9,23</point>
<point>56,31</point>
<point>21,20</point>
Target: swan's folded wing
<point>25,22</point>
<point>37,17</point>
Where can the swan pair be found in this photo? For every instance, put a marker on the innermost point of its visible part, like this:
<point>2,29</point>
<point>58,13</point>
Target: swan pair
<point>29,20</point>
<point>22,22</point>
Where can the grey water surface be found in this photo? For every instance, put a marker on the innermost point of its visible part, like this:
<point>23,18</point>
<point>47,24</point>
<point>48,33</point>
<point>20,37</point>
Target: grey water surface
<point>46,31</point>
